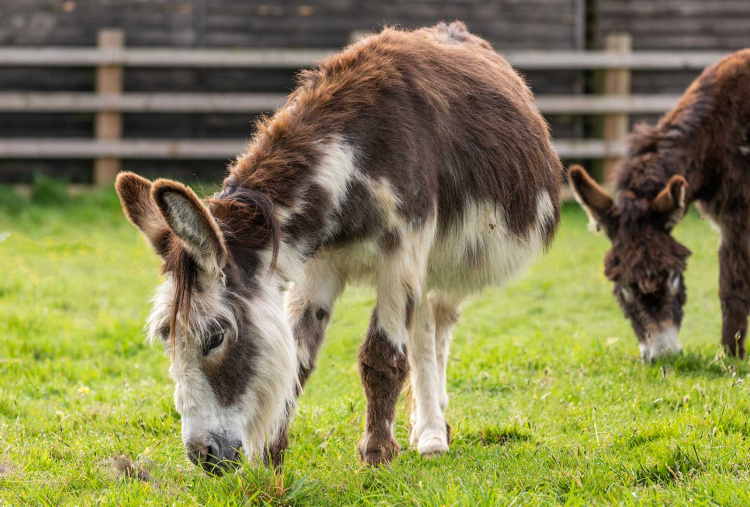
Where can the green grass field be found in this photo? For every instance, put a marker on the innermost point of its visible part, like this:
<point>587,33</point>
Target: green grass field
<point>549,401</point>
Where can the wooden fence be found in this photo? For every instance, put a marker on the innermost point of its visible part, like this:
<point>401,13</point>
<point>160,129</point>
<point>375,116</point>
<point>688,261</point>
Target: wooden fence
<point>111,58</point>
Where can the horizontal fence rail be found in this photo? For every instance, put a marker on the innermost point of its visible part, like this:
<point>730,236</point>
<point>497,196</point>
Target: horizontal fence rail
<point>197,149</point>
<point>108,103</point>
<point>141,102</point>
<point>262,102</point>
<point>299,58</point>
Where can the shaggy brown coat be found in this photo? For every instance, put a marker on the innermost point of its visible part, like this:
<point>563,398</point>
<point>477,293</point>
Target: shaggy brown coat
<point>699,152</point>
<point>416,161</point>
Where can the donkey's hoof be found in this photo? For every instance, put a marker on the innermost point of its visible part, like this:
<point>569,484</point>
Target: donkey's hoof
<point>375,452</point>
<point>432,444</point>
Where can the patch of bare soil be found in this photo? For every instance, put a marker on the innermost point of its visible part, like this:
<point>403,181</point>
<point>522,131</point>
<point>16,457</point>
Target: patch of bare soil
<point>125,467</point>
<point>6,469</point>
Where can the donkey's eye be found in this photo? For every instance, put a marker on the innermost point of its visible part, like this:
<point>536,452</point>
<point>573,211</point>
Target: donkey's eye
<point>627,293</point>
<point>674,282</point>
<point>214,341</point>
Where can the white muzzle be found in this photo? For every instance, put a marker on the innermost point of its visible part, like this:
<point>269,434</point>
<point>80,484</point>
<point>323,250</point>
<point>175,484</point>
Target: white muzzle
<point>660,344</point>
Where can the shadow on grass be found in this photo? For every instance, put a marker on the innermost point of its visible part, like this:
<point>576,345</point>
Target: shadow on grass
<point>679,464</point>
<point>494,435</point>
<point>709,362</point>
<point>644,436</point>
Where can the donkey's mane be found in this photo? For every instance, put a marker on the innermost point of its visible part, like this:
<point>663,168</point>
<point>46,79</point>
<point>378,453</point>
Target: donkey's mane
<point>655,153</point>
<point>249,218</point>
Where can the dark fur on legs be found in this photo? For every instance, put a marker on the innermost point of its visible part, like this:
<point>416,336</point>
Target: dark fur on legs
<point>734,283</point>
<point>383,368</point>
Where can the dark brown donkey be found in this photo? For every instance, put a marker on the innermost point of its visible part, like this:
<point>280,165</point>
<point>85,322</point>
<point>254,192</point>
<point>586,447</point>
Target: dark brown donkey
<point>699,152</point>
<point>413,161</point>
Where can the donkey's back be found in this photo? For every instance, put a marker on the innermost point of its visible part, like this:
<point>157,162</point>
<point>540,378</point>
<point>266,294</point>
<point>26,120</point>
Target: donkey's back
<point>425,137</point>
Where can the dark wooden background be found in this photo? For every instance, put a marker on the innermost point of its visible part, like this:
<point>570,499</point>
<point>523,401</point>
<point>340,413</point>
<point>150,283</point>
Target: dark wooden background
<point>507,24</point>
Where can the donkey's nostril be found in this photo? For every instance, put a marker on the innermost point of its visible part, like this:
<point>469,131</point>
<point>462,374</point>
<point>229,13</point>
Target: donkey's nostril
<point>200,450</point>
<point>211,454</point>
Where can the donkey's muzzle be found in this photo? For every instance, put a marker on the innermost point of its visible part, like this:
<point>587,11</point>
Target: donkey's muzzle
<point>213,453</point>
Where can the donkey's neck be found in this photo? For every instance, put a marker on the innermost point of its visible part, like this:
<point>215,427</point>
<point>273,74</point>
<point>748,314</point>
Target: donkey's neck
<point>673,147</point>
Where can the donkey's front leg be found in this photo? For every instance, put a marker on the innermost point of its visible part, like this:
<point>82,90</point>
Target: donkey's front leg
<point>308,307</point>
<point>383,365</point>
<point>383,368</point>
<point>734,288</point>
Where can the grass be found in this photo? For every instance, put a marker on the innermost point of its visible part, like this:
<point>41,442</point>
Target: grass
<point>549,401</point>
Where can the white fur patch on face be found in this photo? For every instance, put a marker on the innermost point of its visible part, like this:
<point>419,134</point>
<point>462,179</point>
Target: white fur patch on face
<point>745,150</point>
<point>660,343</point>
<point>195,400</point>
<point>260,411</point>
<point>274,381</point>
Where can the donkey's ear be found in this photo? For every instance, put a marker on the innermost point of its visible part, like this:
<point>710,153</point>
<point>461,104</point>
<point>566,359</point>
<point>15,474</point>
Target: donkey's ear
<point>191,221</point>
<point>597,203</point>
<point>141,210</point>
<point>670,203</point>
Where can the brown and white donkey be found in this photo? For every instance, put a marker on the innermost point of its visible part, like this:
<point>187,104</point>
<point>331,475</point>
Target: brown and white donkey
<point>700,152</point>
<point>413,161</point>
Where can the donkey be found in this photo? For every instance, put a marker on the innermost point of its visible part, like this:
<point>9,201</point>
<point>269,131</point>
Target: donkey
<point>415,161</point>
<point>700,151</point>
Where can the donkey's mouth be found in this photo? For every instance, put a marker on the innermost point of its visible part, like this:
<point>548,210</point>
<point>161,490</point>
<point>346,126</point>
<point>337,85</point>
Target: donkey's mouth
<point>216,457</point>
<point>213,465</point>
<point>660,344</point>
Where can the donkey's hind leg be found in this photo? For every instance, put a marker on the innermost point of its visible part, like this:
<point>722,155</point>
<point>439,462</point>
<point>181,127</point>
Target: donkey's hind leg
<point>428,431</point>
<point>446,312</point>
<point>428,354</point>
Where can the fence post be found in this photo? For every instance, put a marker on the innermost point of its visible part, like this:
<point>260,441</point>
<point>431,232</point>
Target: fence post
<point>616,82</point>
<point>108,124</point>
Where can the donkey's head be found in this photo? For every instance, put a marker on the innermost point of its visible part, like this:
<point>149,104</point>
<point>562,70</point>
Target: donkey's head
<point>219,315</point>
<point>645,262</point>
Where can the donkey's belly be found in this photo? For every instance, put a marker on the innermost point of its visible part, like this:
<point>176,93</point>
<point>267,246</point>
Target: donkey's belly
<point>480,250</point>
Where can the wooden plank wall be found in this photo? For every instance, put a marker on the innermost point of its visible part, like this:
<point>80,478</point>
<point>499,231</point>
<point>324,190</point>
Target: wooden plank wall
<point>508,24</point>
<point>514,24</point>
<point>682,25</point>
